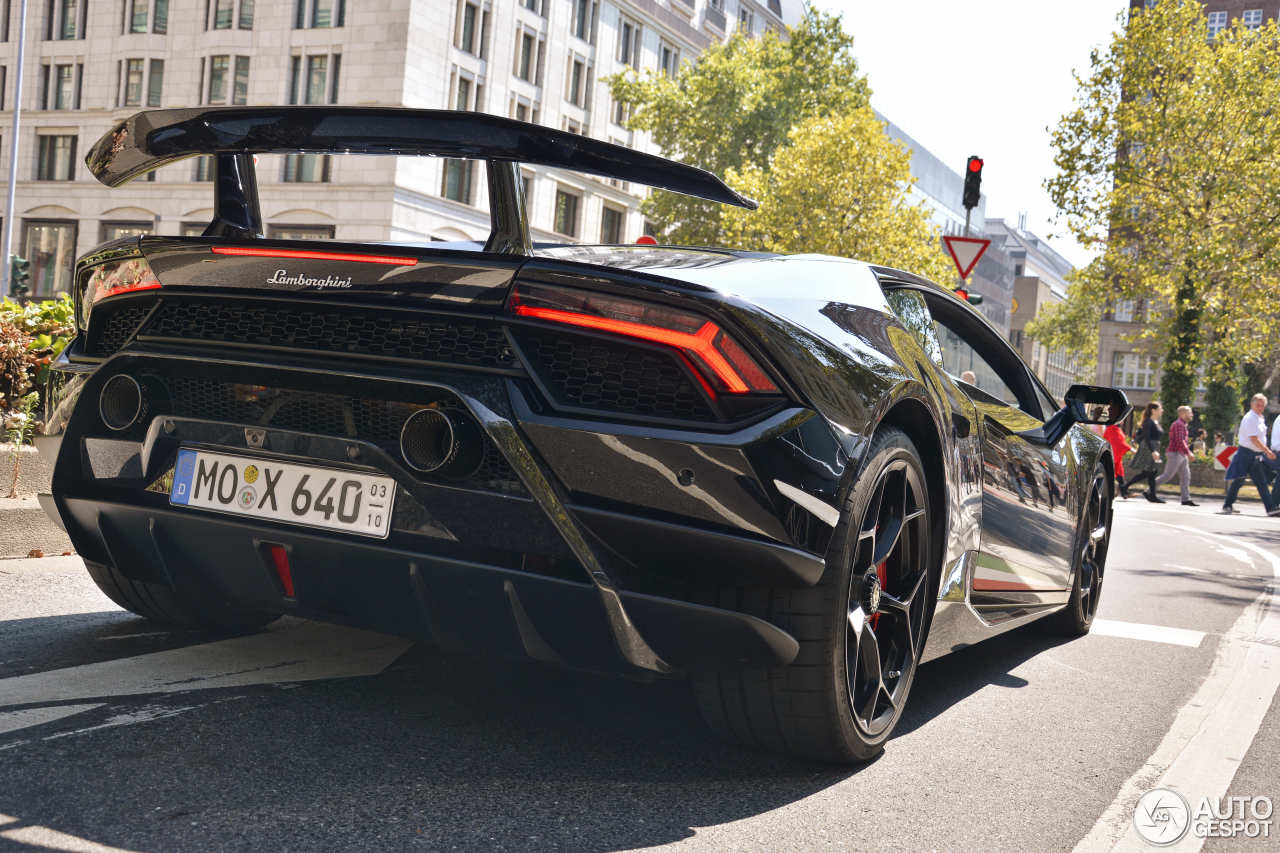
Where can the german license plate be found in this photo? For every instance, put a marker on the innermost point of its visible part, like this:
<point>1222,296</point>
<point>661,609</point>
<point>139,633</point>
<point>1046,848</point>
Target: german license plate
<point>281,491</point>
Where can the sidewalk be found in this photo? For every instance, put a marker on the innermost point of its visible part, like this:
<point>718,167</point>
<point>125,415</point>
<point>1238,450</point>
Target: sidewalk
<point>23,525</point>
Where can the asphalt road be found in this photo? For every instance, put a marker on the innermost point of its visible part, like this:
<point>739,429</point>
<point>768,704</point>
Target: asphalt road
<point>114,735</point>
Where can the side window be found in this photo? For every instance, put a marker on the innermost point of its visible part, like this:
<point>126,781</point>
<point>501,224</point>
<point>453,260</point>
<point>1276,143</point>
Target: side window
<point>1050,405</point>
<point>911,309</point>
<point>963,362</point>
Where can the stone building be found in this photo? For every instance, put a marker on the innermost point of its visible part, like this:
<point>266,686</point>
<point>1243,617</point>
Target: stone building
<point>90,63</point>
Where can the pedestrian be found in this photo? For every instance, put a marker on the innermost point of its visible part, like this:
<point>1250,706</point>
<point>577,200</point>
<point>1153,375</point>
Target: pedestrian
<point>1119,447</point>
<point>1273,464</point>
<point>1198,446</point>
<point>1147,457</point>
<point>1177,460</point>
<point>1247,461</point>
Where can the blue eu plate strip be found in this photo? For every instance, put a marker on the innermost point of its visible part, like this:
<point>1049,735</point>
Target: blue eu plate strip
<point>184,472</point>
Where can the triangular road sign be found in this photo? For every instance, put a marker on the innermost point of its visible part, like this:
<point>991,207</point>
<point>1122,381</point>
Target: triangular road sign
<point>965,251</point>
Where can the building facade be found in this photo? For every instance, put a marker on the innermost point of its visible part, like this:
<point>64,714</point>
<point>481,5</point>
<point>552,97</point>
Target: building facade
<point>91,63</point>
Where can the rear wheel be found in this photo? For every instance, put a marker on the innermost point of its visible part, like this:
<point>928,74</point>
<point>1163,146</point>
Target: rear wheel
<point>1092,540</point>
<point>860,629</point>
<point>188,606</point>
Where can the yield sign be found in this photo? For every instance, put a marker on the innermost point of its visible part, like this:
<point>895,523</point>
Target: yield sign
<point>965,251</point>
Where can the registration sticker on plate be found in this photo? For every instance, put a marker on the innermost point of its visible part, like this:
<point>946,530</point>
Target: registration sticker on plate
<point>281,491</point>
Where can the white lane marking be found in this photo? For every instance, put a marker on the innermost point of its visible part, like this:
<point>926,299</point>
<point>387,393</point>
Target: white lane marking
<point>1151,633</point>
<point>11,721</point>
<point>142,715</point>
<point>1212,733</point>
<point>131,636</point>
<point>292,650</point>
<point>4,818</point>
<point>51,839</point>
<point>825,511</point>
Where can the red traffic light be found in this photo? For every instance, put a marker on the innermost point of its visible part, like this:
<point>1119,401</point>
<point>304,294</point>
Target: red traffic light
<point>646,240</point>
<point>962,293</point>
<point>975,164</point>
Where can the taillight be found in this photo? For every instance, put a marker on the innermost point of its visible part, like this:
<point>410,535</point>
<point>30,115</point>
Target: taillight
<point>113,279</point>
<point>717,356</point>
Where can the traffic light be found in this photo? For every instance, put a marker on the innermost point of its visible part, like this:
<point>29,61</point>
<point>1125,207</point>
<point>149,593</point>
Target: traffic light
<point>972,182</point>
<point>19,277</point>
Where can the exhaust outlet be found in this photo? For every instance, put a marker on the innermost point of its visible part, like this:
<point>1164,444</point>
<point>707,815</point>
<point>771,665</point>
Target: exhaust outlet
<point>121,402</point>
<point>434,441</point>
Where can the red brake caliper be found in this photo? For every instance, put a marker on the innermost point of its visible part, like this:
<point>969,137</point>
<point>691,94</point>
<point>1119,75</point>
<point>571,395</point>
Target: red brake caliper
<point>883,574</point>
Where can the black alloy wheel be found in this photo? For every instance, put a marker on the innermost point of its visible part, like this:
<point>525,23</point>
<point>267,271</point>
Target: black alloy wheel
<point>861,628</point>
<point>1092,539</point>
<point>886,609</point>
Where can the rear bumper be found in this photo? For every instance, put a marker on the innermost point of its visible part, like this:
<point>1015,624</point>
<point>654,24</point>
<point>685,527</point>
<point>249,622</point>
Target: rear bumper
<point>455,604</point>
<point>552,570</point>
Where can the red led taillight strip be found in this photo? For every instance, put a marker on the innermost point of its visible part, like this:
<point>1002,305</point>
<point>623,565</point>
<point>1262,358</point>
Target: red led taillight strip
<point>699,342</point>
<point>306,254</point>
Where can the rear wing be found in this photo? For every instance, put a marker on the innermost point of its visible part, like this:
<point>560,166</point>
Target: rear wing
<point>154,138</point>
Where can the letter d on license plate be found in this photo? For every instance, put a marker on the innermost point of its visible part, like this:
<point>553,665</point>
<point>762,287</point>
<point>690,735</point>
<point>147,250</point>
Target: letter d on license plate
<point>278,491</point>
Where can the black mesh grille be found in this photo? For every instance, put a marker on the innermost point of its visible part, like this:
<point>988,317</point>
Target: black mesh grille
<point>592,374</point>
<point>453,340</point>
<point>375,421</point>
<point>110,329</point>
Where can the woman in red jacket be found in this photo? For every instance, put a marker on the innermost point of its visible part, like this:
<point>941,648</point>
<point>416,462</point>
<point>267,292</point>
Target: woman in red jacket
<point>1119,447</point>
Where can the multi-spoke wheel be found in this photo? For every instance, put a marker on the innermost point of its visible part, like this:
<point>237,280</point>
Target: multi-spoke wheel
<point>860,629</point>
<point>1092,538</point>
<point>885,605</point>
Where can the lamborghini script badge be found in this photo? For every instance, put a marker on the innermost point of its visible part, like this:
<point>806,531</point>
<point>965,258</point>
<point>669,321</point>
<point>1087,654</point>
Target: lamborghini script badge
<point>329,282</point>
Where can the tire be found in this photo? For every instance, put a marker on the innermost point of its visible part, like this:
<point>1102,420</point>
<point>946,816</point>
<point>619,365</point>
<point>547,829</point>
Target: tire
<point>188,606</point>
<point>812,708</point>
<point>1089,560</point>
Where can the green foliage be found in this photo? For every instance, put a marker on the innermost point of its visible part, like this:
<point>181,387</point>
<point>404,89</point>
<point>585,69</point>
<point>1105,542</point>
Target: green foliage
<point>1072,325</point>
<point>20,427</point>
<point>1168,163</point>
<point>49,324</point>
<point>735,107</point>
<point>838,186</point>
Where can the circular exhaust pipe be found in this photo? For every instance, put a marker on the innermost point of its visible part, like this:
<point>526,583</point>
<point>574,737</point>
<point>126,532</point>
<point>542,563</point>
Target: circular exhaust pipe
<point>121,403</point>
<point>433,442</point>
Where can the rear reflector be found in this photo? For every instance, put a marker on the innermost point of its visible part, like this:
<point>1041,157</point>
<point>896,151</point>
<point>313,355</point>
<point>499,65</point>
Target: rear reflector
<point>714,353</point>
<point>280,559</point>
<point>246,251</point>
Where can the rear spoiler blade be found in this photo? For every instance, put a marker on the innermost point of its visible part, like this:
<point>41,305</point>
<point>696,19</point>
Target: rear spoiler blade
<point>154,138</point>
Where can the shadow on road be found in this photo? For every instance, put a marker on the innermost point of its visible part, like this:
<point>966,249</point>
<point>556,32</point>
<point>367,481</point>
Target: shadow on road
<point>436,752</point>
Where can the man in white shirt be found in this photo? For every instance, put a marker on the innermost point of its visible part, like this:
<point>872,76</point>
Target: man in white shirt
<point>1252,441</point>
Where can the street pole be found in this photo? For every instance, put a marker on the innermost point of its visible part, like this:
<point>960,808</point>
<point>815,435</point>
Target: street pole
<point>14,136</point>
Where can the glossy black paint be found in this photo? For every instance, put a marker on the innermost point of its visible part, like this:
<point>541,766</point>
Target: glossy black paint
<point>601,490</point>
<point>150,139</point>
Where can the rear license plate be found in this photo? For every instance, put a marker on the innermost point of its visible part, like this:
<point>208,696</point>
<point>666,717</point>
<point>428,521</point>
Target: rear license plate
<point>281,491</point>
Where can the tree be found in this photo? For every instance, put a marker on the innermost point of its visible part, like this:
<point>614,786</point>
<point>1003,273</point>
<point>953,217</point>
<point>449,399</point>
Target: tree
<point>839,186</point>
<point>735,106</point>
<point>1170,163</point>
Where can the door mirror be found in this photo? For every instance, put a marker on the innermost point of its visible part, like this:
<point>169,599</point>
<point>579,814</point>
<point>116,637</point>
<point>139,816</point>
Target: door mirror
<point>1094,404</point>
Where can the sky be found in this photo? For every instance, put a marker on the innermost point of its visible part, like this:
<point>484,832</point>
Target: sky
<point>985,77</point>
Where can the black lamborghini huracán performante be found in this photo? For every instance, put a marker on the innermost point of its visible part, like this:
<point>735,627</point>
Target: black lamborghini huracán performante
<point>760,473</point>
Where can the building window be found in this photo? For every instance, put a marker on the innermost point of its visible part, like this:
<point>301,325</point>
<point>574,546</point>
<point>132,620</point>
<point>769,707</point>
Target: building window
<point>526,182</point>
<point>1124,311</point>
<point>66,19</point>
<point>116,230</point>
<point>467,27</point>
<point>4,25</point>
<point>1133,370</point>
<point>621,113</point>
<point>572,126</point>
<point>155,83</point>
<point>64,91</point>
<point>300,232</point>
<point>223,12</point>
<point>746,20</point>
<point>1217,23</point>
<point>4,83</point>
<point>306,168</point>
<point>244,20</point>
<point>529,56</point>
<point>1252,18</point>
<point>567,205</point>
<point>314,79</point>
<point>216,91</point>
<point>203,169</point>
<point>56,158</point>
<point>578,82</point>
<point>133,71</point>
<point>458,180</point>
<point>668,59</point>
<point>136,12</point>
<point>192,229</point>
<point>611,224</point>
<point>538,7</point>
<point>51,248</point>
<point>629,35</point>
<point>318,14</point>
<point>583,24</point>
<point>467,93</point>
